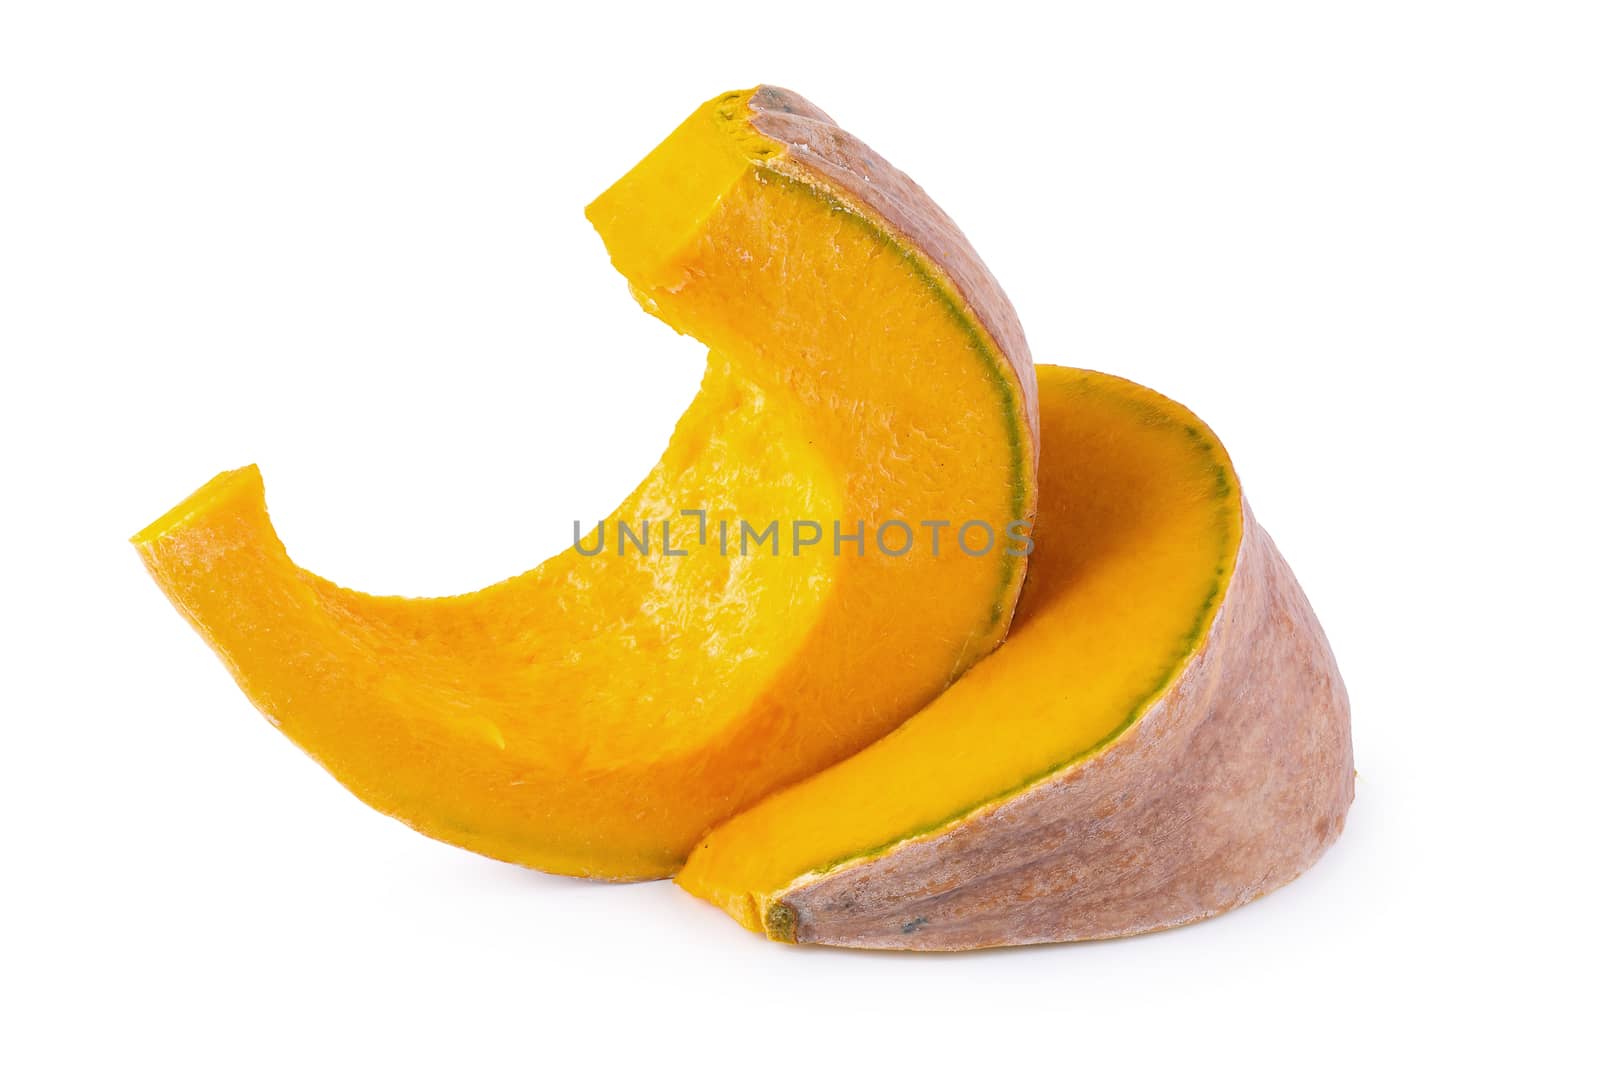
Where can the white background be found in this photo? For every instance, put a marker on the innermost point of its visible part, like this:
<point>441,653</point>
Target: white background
<point>347,242</point>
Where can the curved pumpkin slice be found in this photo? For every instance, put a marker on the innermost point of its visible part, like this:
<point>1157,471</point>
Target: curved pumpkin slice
<point>596,715</point>
<point>1163,736</point>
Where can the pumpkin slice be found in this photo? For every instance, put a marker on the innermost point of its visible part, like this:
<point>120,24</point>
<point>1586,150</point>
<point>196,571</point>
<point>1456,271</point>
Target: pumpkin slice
<point>1163,736</point>
<point>596,715</point>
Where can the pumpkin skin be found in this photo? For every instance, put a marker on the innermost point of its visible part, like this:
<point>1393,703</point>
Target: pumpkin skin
<point>1164,735</point>
<point>596,715</point>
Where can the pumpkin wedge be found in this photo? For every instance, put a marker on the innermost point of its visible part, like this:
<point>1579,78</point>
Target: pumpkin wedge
<point>1163,736</point>
<point>596,715</point>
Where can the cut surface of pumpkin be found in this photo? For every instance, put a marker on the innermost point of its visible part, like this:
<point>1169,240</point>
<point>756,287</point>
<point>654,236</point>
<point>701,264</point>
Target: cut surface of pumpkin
<point>1163,735</point>
<point>597,714</point>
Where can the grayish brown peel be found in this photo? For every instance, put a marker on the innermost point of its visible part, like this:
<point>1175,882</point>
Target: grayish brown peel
<point>1230,786</point>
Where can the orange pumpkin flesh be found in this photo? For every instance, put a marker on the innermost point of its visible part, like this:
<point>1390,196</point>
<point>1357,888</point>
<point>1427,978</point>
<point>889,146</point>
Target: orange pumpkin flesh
<point>1163,735</point>
<point>597,714</point>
